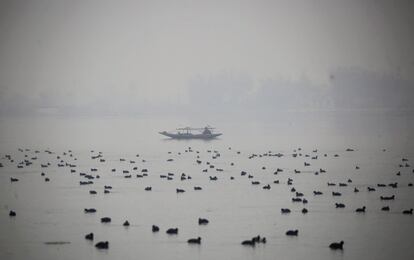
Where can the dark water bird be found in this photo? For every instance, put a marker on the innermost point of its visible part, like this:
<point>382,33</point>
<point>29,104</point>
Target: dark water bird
<point>155,228</point>
<point>386,208</point>
<point>203,221</point>
<point>393,185</point>
<point>296,200</point>
<point>90,210</point>
<point>12,213</point>
<point>172,231</point>
<point>336,193</point>
<point>361,210</point>
<point>92,192</point>
<point>387,198</point>
<point>292,232</point>
<point>126,223</point>
<point>194,240</point>
<point>356,190</point>
<point>180,190</point>
<point>304,210</point>
<point>89,236</point>
<point>370,189</point>
<point>148,188</point>
<point>106,191</point>
<point>285,210</point>
<point>317,193</point>
<point>102,245</point>
<point>13,179</point>
<point>337,246</point>
<point>47,179</point>
<point>266,187</point>
<point>408,212</point>
<point>197,188</point>
<point>250,242</point>
<point>105,220</point>
<point>339,205</point>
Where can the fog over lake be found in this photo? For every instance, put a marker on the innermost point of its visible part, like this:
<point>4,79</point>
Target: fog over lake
<point>314,101</point>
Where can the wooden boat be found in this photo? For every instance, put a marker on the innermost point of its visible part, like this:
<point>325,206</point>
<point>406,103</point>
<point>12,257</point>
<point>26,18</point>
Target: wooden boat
<point>186,133</point>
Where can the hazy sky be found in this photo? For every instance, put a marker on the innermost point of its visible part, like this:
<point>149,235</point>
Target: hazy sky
<point>131,51</point>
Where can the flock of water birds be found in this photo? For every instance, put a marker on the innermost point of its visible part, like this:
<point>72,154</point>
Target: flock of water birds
<point>67,162</point>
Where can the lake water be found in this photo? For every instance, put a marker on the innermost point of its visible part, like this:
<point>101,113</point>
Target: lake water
<point>237,210</point>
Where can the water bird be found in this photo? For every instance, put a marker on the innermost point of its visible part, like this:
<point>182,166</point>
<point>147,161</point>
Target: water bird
<point>387,198</point>
<point>105,220</point>
<point>339,205</point>
<point>250,242</point>
<point>393,185</point>
<point>292,232</point>
<point>180,190</point>
<point>89,236</point>
<point>408,212</point>
<point>285,210</point>
<point>126,223</point>
<point>203,221</point>
<point>155,228</point>
<point>102,245</point>
<point>172,231</point>
<point>304,211</point>
<point>361,210</point>
<point>386,208</point>
<point>337,246</point>
<point>148,188</point>
<point>12,213</point>
<point>90,210</point>
<point>194,240</point>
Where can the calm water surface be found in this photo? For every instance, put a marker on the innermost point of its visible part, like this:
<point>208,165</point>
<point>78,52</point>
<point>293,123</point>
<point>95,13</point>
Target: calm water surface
<point>237,210</point>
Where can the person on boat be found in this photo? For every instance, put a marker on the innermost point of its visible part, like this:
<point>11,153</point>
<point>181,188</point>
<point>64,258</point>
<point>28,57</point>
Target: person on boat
<point>206,131</point>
